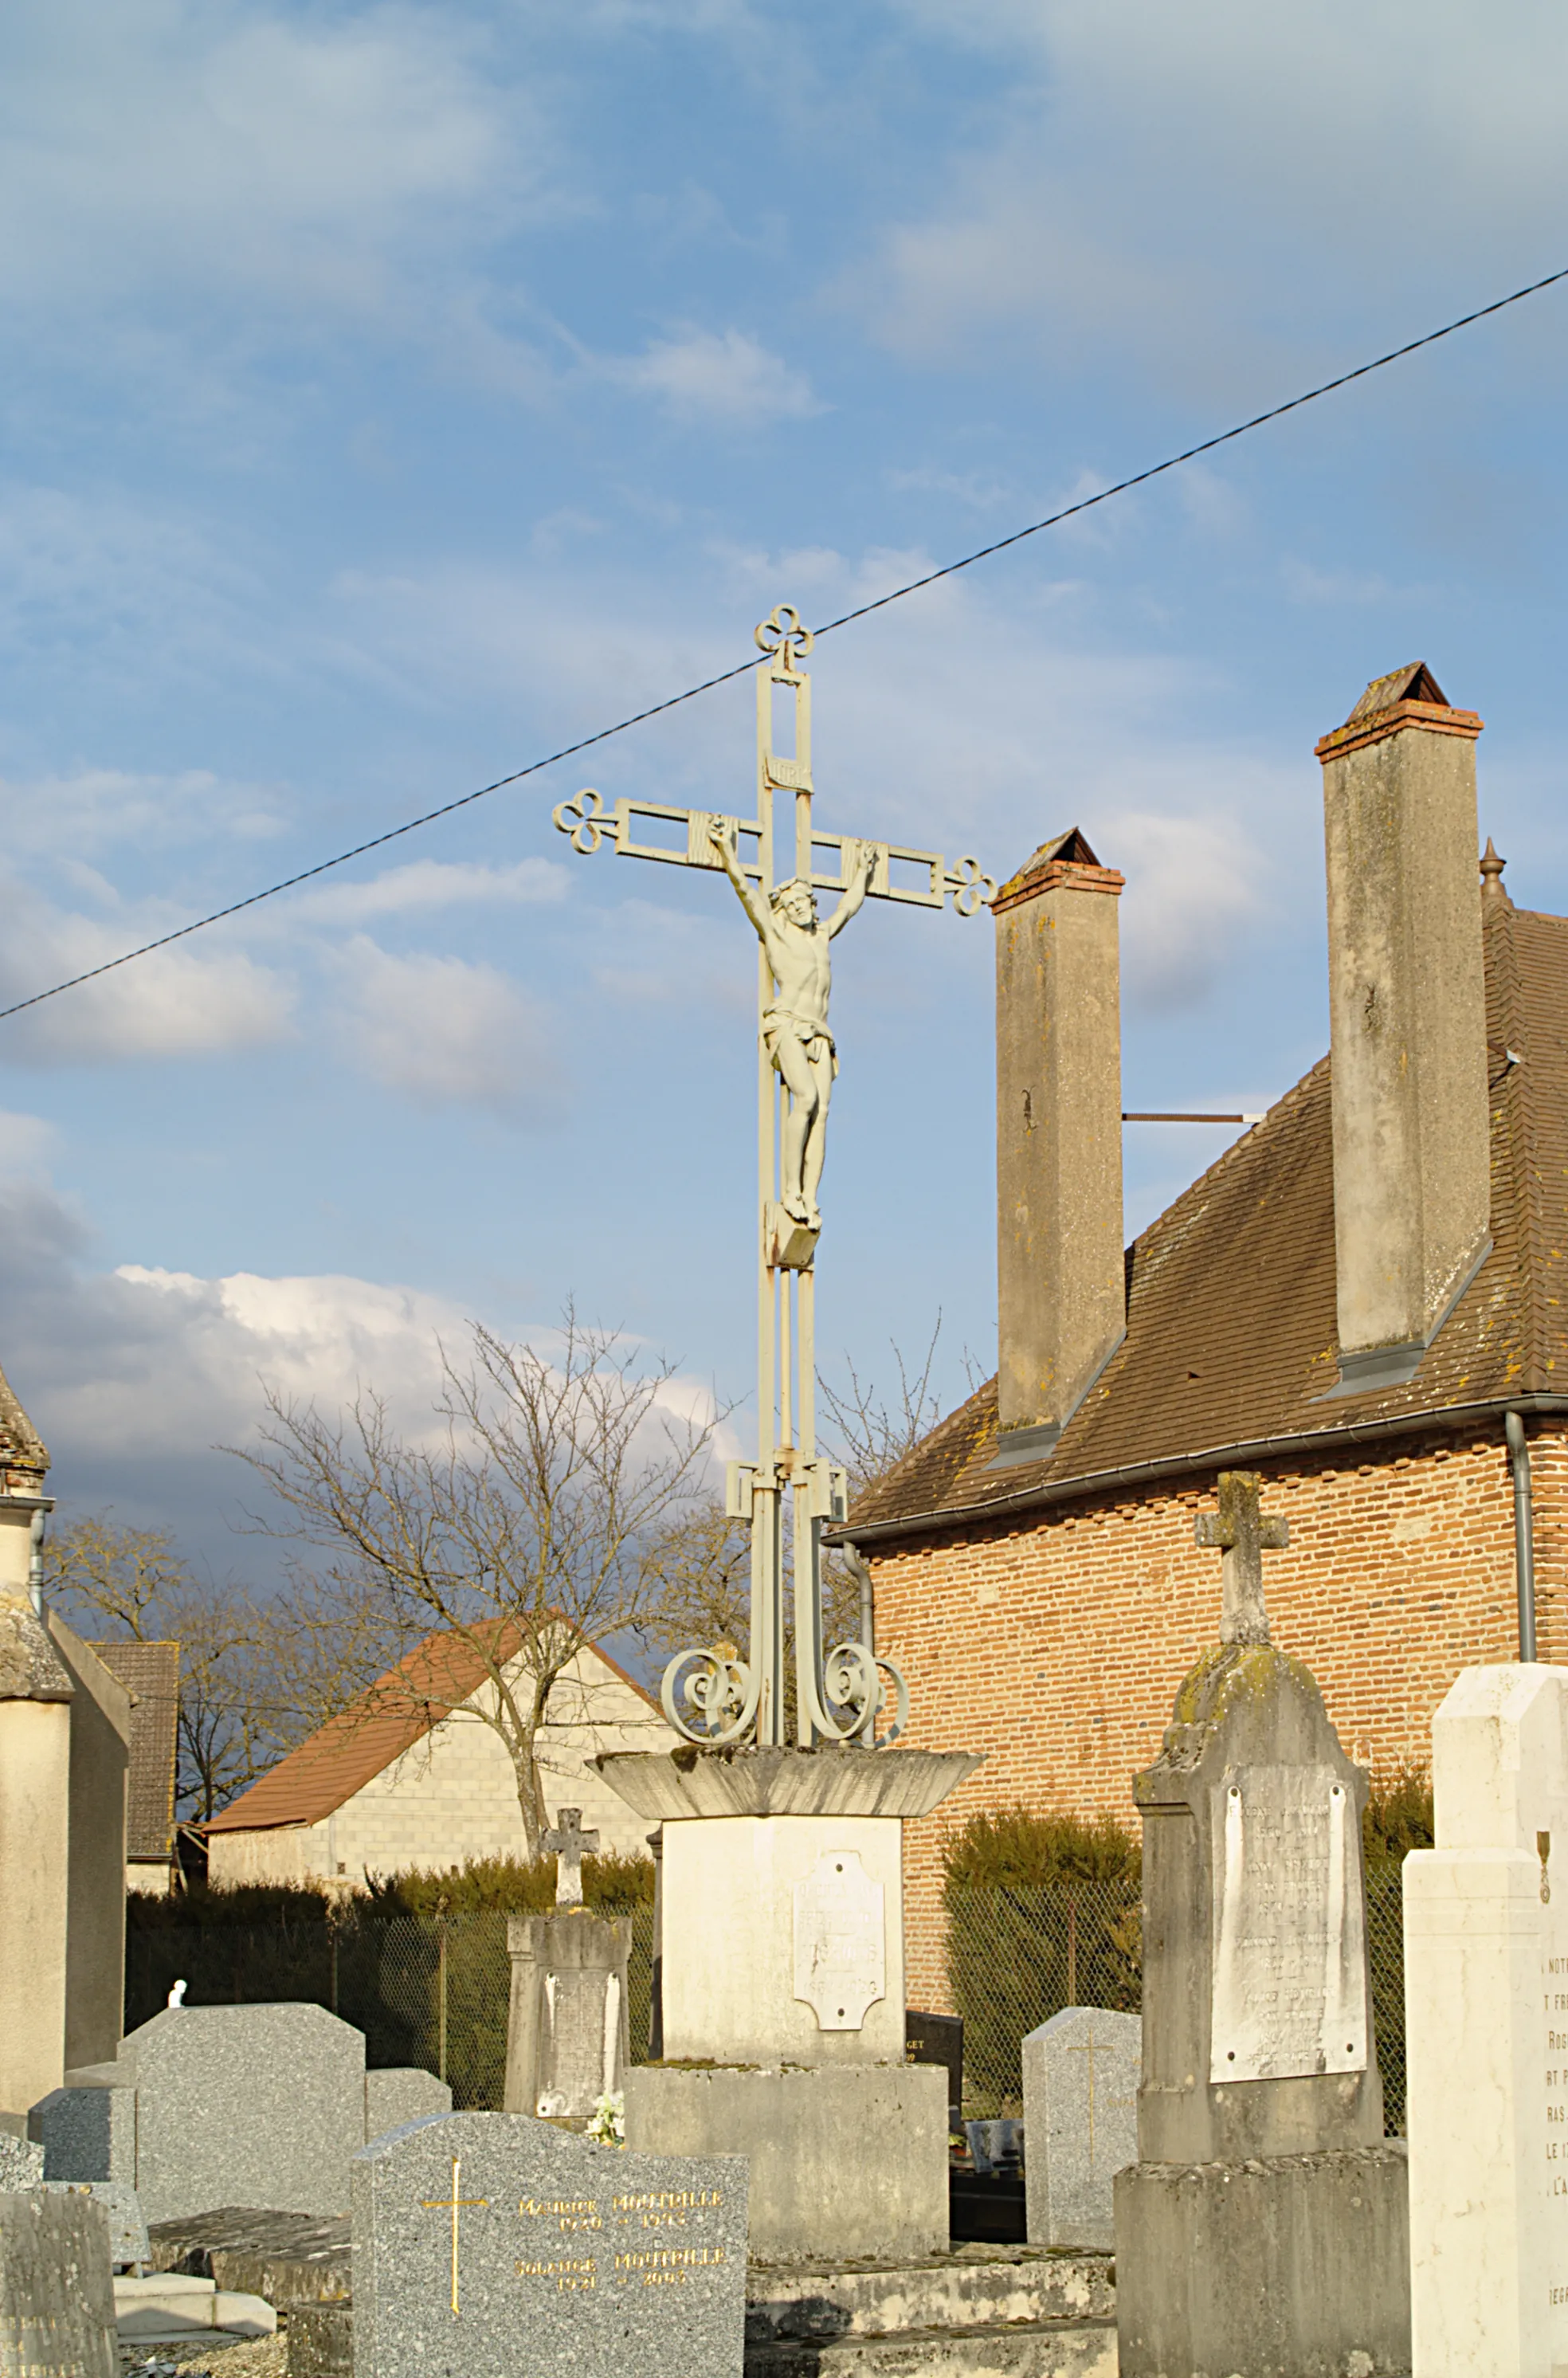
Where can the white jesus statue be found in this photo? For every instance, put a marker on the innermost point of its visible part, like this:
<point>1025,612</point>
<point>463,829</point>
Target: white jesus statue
<point>795,1028</point>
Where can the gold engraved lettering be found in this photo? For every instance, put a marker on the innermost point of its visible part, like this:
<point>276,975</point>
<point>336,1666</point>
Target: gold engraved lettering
<point>564,2265</point>
<point>671,2258</point>
<point>657,2200</point>
<point>548,2204</point>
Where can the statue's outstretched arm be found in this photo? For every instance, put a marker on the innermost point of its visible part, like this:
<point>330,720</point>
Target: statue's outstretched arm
<point>719,835</point>
<point>862,858</point>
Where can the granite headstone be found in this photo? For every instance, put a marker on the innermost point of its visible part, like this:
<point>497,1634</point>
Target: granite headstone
<point>484,2244</point>
<point>128,2246</point>
<point>1081,2121</point>
<point>261,2106</point>
<point>938,2039</point>
<point>57,2291</point>
<point>567,2027</point>
<point>86,2134</point>
<point>22,2162</point>
<point>401,2093</point>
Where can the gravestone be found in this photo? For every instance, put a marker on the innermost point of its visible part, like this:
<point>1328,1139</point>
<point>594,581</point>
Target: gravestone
<point>487,2245</point>
<point>128,2246</point>
<point>87,2133</point>
<point>401,2093</point>
<point>568,2036</point>
<point>56,2293</point>
<point>1080,2122</point>
<point>261,2106</point>
<point>22,2162</point>
<point>1486,1995</point>
<point>938,2039</point>
<point>1263,2229</point>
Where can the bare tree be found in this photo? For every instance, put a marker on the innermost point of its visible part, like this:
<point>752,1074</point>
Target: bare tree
<point>133,1584</point>
<point>520,1529</point>
<point>872,1432</point>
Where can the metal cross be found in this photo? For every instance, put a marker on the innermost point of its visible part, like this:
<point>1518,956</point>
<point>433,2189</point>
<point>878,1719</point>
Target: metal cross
<point>1239,1531</point>
<point>712,1696</point>
<point>455,2203</point>
<point>569,1845</point>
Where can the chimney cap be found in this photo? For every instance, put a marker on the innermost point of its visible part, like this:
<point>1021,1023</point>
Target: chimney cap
<point>1414,682</point>
<point>1065,858</point>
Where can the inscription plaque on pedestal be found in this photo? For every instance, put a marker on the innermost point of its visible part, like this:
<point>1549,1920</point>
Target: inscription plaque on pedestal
<point>840,1966</point>
<point>1289,1961</point>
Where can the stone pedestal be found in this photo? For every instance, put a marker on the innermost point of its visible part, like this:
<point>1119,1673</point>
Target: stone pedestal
<point>1486,1992</point>
<point>782,1986</point>
<point>1262,2232</point>
<point>567,2031</point>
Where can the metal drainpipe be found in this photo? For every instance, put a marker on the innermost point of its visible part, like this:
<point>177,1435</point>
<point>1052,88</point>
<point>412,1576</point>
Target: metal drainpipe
<point>1523,1533</point>
<point>860,1570</point>
<point>35,1560</point>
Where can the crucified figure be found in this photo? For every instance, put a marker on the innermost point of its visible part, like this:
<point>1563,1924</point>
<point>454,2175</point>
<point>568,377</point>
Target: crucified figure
<point>795,1028</point>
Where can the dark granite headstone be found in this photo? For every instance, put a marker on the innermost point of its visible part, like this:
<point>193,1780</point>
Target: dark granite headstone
<point>56,2294</point>
<point>938,2039</point>
<point>487,2245</point>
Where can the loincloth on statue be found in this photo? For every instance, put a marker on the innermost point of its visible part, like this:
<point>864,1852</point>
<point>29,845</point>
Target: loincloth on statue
<point>778,1021</point>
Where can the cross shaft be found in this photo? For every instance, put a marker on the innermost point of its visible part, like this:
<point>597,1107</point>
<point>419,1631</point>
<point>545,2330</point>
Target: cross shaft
<point>1240,1532</point>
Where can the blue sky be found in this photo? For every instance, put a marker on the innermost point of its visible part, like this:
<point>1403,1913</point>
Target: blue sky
<point>392,393</point>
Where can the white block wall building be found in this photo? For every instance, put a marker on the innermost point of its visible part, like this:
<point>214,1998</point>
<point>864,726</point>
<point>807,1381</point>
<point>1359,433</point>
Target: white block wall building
<point>393,1784</point>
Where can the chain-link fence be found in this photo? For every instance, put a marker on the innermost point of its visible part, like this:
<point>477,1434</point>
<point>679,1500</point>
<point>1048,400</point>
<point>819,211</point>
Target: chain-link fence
<point>1016,1957</point>
<point>431,1992</point>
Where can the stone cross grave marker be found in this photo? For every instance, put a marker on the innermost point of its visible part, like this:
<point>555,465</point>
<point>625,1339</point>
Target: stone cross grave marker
<point>569,1845</point>
<point>1239,1531</point>
<point>1081,2073</point>
<point>486,2244</point>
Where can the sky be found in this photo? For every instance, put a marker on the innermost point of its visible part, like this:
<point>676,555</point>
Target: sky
<point>391,394</point>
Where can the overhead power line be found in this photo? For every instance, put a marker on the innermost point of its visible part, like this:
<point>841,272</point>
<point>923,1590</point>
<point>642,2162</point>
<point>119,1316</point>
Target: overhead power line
<point>742,668</point>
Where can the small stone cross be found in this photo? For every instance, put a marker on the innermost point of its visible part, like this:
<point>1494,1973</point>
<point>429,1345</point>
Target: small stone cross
<point>569,1845</point>
<point>1239,1531</point>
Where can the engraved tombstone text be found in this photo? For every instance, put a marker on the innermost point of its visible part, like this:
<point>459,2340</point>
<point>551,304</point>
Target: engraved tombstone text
<point>1289,1973</point>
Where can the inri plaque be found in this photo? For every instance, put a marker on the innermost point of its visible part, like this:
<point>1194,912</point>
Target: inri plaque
<point>1290,1959</point>
<point>840,1941</point>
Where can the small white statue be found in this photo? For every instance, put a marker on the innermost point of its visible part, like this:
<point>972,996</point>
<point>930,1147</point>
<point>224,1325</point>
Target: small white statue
<point>177,1995</point>
<point>795,1028</point>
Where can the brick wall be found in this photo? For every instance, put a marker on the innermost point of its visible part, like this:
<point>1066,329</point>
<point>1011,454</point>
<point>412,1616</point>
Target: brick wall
<point>1055,1642</point>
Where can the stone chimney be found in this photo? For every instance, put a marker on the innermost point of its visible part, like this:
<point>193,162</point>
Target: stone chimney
<point>1407,1020</point>
<point>1061,1301</point>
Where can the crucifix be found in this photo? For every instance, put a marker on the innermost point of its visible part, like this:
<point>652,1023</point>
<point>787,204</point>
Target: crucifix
<point>1239,1531</point>
<point>777,861</point>
<point>455,2204</point>
<point>569,1845</point>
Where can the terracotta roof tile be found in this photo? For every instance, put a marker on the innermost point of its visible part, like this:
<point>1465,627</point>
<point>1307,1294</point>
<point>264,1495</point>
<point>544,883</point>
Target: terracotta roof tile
<point>1230,1312</point>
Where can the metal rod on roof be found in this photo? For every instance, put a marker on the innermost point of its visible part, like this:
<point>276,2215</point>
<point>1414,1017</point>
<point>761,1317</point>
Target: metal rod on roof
<point>1191,1117</point>
<point>1523,1533</point>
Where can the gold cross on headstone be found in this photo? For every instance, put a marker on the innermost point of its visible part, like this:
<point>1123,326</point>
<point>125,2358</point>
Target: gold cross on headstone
<point>1239,1531</point>
<point>454,2204</point>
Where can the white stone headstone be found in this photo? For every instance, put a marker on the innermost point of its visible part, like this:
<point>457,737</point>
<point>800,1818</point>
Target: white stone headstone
<point>1485,1994</point>
<point>840,1941</point>
<point>1289,1955</point>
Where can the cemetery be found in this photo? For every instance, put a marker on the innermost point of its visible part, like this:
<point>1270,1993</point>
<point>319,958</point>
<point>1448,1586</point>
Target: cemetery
<point>1227,2099</point>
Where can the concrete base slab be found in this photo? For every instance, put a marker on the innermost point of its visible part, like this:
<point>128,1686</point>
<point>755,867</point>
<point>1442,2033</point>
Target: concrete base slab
<point>169,2307</point>
<point>1288,2266</point>
<point>847,2160</point>
<point>1045,2349</point>
<point>974,2288</point>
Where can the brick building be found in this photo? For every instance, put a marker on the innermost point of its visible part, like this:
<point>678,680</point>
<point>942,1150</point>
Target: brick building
<point>410,1776</point>
<point>1351,1302</point>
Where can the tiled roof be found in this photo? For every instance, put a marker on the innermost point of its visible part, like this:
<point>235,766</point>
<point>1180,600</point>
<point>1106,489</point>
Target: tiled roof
<point>21,1447</point>
<point>338,1760</point>
<point>1230,1314</point>
<point>151,1671</point>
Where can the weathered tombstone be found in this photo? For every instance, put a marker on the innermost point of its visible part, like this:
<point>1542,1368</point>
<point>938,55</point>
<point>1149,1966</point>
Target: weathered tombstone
<point>87,2133</point>
<point>1486,1996</point>
<point>486,2244</point>
<point>401,2093</point>
<point>56,2293</point>
<point>1080,2122</point>
<point>1263,2229</point>
<point>261,2106</point>
<point>568,2038</point>
<point>22,2162</point>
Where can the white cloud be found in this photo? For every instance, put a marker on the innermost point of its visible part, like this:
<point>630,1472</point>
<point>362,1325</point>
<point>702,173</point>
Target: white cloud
<point>188,1001</point>
<point>728,378</point>
<point>98,809</point>
<point>27,1143</point>
<point>1193,885</point>
<point>447,1032</point>
<point>426,883</point>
